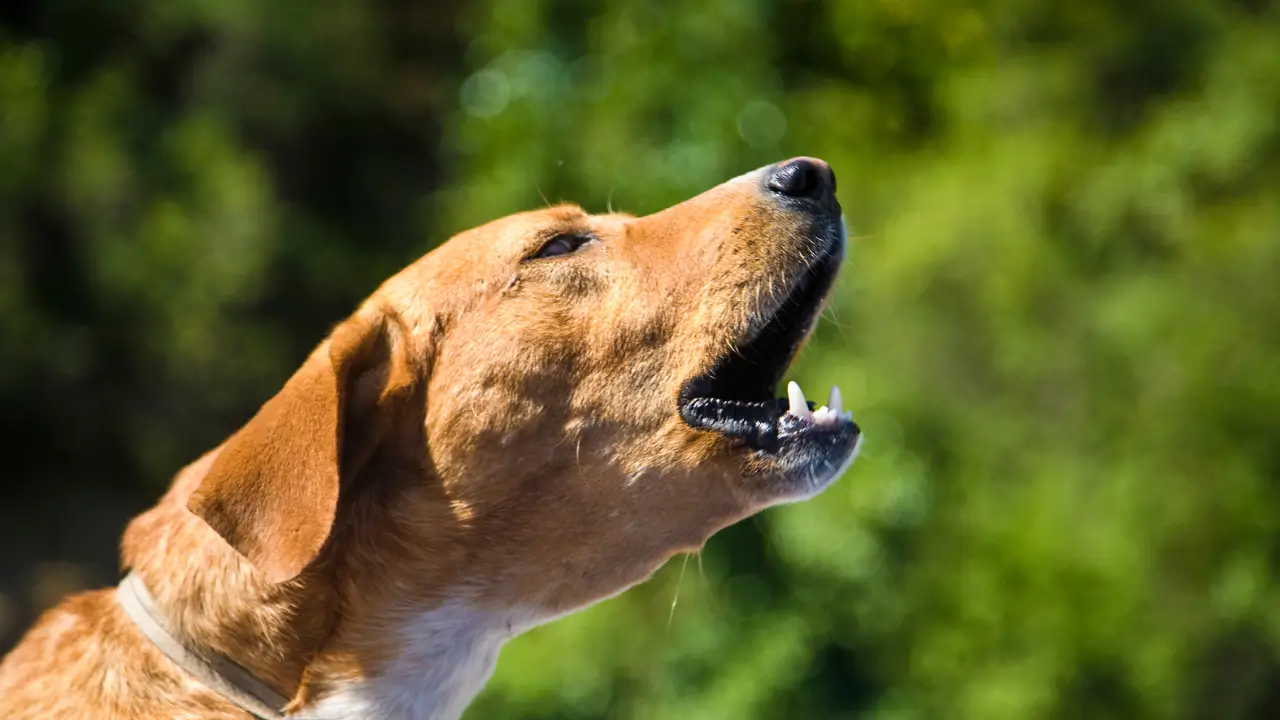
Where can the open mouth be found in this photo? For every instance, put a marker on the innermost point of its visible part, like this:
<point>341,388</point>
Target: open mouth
<point>736,396</point>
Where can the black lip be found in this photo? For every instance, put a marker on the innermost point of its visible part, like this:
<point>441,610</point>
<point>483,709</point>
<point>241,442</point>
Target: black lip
<point>736,397</point>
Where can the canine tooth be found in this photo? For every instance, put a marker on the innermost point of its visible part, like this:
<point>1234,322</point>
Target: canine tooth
<point>799,406</point>
<point>834,401</point>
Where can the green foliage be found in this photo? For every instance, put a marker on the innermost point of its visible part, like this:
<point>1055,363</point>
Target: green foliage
<point>1058,326</point>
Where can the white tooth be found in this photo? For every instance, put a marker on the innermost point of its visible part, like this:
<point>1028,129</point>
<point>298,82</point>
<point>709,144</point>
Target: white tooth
<point>848,415</point>
<point>799,407</point>
<point>834,401</point>
<point>821,415</point>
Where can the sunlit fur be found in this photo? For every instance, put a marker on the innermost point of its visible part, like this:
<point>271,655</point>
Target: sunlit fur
<point>485,444</point>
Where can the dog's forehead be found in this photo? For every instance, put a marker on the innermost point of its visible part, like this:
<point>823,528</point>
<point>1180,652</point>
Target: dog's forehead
<point>477,259</point>
<point>516,230</point>
<point>485,256</point>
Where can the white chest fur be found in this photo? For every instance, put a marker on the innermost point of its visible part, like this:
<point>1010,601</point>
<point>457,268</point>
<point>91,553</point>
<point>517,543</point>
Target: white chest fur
<point>447,656</point>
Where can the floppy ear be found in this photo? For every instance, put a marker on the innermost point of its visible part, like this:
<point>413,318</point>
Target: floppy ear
<point>272,493</point>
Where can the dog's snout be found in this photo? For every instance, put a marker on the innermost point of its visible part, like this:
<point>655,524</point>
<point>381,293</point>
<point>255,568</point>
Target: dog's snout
<point>802,178</point>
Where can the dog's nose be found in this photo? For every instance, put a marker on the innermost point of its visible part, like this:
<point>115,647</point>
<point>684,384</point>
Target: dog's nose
<point>802,178</point>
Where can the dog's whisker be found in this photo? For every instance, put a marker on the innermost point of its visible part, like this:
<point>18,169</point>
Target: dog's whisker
<point>577,455</point>
<point>840,326</point>
<point>679,581</point>
<point>832,315</point>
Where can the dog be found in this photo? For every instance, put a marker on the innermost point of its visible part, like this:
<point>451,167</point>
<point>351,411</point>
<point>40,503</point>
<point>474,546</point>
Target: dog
<point>530,418</point>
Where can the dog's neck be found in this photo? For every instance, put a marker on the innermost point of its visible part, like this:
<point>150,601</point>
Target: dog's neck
<point>341,646</point>
<point>398,625</point>
<point>445,657</point>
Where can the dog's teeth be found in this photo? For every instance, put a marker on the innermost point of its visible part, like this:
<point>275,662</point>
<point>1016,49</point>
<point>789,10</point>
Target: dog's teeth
<point>848,415</point>
<point>834,401</point>
<point>798,405</point>
<point>824,416</point>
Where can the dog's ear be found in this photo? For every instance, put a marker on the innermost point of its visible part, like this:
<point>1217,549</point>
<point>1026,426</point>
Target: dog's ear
<point>272,493</point>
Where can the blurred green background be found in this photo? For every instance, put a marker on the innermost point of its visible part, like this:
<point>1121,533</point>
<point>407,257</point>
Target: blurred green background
<point>1059,325</point>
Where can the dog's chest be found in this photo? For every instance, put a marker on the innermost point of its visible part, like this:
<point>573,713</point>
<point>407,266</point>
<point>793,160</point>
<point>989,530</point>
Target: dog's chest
<point>447,656</point>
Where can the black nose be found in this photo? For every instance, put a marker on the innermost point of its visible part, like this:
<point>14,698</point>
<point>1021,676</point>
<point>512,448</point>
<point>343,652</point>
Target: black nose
<point>802,178</point>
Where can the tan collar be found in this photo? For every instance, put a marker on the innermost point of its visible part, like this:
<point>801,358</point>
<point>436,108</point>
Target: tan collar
<point>218,672</point>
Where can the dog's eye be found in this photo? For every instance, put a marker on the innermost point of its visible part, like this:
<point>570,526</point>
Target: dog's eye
<point>563,245</point>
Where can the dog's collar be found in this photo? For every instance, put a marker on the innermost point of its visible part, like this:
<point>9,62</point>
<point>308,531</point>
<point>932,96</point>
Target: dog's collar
<point>218,672</point>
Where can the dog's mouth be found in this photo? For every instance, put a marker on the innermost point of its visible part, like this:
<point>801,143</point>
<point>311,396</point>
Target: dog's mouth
<point>736,397</point>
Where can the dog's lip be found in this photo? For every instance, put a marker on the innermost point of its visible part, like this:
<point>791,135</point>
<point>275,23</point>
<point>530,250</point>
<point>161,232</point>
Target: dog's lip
<point>769,426</point>
<point>826,260</point>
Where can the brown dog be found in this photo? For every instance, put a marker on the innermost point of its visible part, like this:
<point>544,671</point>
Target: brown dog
<point>529,419</point>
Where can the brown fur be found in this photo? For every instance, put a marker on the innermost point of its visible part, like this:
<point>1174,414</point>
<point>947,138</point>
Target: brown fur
<point>483,424</point>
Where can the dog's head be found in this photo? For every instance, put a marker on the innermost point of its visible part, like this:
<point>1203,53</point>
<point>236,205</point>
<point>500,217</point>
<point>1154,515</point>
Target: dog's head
<point>548,406</point>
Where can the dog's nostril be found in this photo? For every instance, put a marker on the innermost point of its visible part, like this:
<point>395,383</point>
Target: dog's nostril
<point>802,178</point>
